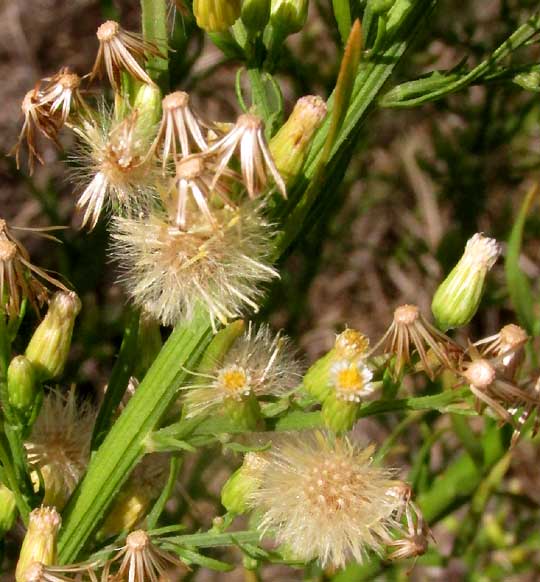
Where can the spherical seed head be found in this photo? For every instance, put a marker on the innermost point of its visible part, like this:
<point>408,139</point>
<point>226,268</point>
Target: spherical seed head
<point>69,81</point>
<point>481,251</point>
<point>8,250</point>
<point>480,374</point>
<point>190,168</point>
<point>351,343</point>
<point>323,499</point>
<point>107,31</point>
<point>176,100</point>
<point>234,381</point>
<point>250,122</point>
<point>512,336</point>
<point>351,380</point>
<point>406,314</point>
<point>138,541</point>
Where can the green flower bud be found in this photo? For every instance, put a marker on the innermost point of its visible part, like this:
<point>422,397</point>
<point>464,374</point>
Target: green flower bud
<point>148,106</point>
<point>244,413</point>
<point>288,16</point>
<point>339,415</point>
<point>290,145</point>
<point>8,510</point>
<point>242,483</point>
<point>380,6</point>
<point>49,347</point>
<point>458,296</point>
<point>216,15</point>
<point>255,14</point>
<point>23,388</point>
<point>320,379</point>
<point>39,544</point>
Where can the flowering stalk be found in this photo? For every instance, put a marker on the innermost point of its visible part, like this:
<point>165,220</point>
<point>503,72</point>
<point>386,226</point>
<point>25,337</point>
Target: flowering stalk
<point>154,21</point>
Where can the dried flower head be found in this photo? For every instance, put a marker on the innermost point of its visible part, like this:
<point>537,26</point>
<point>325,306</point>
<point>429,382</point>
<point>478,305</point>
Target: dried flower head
<point>180,126</point>
<point>260,363</point>
<point>38,572</point>
<point>139,560</point>
<point>169,271</point>
<point>351,380</point>
<point>120,50</point>
<point>37,116</point>
<point>323,499</point>
<point>59,445</point>
<point>19,278</point>
<point>507,346</point>
<point>194,183</point>
<point>490,388</point>
<point>62,94</point>
<point>122,177</point>
<point>411,331</point>
<point>247,138</point>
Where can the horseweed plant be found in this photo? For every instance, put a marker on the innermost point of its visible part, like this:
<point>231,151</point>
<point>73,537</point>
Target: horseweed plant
<point>199,213</point>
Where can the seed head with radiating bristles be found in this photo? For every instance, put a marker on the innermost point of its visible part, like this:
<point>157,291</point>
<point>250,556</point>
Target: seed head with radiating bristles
<point>116,172</point>
<point>59,445</point>
<point>247,138</point>
<point>38,572</point>
<point>169,272</point>
<point>140,560</point>
<point>61,94</point>
<point>508,346</point>
<point>120,50</point>
<point>260,363</point>
<point>19,278</point>
<point>323,499</point>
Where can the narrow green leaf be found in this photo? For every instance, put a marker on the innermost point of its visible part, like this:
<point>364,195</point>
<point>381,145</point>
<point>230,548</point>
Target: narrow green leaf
<point>159,505</point>
<point>519,287</point>
<point>342,12</point>
<point>192,557</point>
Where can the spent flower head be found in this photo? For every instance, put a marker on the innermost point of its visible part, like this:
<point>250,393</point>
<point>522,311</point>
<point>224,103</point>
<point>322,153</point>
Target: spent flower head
<point>121,51</point>
<point>62,94</point>
<point>169,271</point>
<point>507,346</point>
<point>59,444</point>
<point>260,363</point>
<point>115,169</point>
<point>323,499</point>
<point>256,162</point>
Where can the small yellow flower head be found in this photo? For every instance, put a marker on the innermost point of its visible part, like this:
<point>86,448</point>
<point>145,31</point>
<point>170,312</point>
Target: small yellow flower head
<point>59,445</point>
<point>216,15</point>
<point>322,498</point>
<point>259,364</point>
<point>169,271</point>
<point>48,348</point>
<point>120,50</point>
<point>19,278</point>
<point>256,162</point>
<point>351,344</point>
<point>290,146</point>
<point>351,380</point>
<point>39,544</point>
<point>458,296</point>
<point>238,489</point>
<point>139,560</point>
<point>117,173</point>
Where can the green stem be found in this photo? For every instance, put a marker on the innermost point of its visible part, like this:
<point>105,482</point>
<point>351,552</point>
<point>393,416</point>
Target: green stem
<point>154,25</point>
<point>124,445</point>
<point>12,482</point>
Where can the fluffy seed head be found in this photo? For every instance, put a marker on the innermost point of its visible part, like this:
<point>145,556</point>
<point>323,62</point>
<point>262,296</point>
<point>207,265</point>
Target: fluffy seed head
<point>169,271</point>
<point>322,498</point>
<point>259,363</point>
<point>59,444</point>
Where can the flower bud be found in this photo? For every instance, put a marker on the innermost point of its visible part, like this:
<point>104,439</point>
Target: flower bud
<point>39,544</point>
<point>458,296</point>
<point>255,14</point>
<point>8,510</point>
<point>216,15</point>
<point>23,388</point>
<point>148,105</point>
<point>243,413</point>
<point>236,492</point>
<point>290,145</point>
<point>49,347</point>
<point>288,16</point>
<point>339,415</point>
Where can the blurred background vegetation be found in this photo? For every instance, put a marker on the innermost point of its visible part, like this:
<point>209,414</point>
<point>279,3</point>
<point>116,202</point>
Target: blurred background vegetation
<point>421,183</point>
